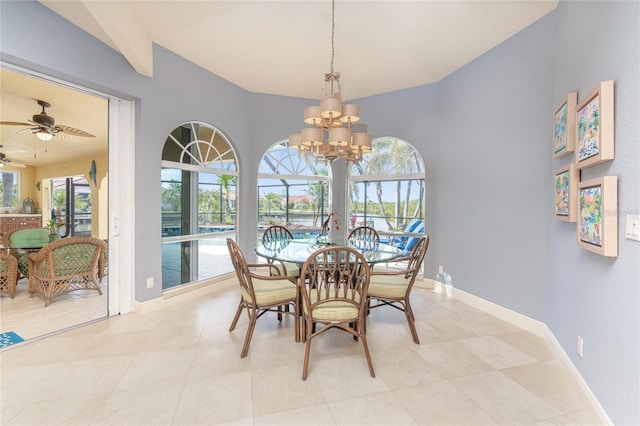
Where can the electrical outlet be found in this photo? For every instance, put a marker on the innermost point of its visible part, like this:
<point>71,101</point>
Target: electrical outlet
<point>150,282</point>
<point>441,269</point>
<point>580,346</point>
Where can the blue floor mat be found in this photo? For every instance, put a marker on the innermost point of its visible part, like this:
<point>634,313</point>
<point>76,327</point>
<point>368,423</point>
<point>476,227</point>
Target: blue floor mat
<point>9,338</point>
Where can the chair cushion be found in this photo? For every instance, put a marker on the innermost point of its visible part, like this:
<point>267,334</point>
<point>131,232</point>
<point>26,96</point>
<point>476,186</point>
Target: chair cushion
<point>335,310</point>
<point>292,269</point>
<point>271,291</point>
<point>388,286</point>
<point>29,237</point>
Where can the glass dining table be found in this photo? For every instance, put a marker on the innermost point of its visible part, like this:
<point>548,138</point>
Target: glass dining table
<point>298,250</point>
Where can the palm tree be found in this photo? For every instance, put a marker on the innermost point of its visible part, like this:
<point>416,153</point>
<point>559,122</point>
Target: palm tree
<point>207,202</point>
<point>271,201</point>
<point>225,182</point>
<point>404,162</point>
<point>379,164</point>
<point>171,195</point>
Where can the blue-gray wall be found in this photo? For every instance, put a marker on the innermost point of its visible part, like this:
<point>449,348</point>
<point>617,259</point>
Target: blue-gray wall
<point>589,295</point>
<point>492,179</point>
<point>484,133</point>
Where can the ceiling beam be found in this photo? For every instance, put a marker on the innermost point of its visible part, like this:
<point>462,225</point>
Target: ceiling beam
<point>119,21</point>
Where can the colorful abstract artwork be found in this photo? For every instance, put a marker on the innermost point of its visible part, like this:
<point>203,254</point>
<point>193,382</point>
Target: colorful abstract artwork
<point>562,194</point>
<point>589,129</point>
<point>560,129</point>
<point>590,222</point>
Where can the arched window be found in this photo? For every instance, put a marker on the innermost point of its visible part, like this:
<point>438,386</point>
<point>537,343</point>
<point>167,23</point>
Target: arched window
<point>293,190</point>
<point>387,189</point>
<point>199,193</point>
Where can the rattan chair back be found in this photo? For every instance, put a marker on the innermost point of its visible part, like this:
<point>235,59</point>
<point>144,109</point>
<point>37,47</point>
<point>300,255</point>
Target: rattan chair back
<point>364,233</point>
<point>335,296</point>
<point>74,263</point>
<point>276,233</point>
<point>8,273</point>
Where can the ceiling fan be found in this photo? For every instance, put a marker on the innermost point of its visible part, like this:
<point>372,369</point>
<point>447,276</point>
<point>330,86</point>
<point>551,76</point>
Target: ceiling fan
<point>5,160</point>
<point>45,128</point>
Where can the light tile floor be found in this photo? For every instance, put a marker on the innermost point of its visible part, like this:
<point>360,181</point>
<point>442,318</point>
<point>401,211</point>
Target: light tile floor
<point>180,366</point>
<point>28,317</point>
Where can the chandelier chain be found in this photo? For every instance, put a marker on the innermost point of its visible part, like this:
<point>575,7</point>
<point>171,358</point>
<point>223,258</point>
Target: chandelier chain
<point>333,31</point>
<point>333,76</point>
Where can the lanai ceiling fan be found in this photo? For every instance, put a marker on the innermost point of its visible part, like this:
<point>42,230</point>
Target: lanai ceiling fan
<point>44,126</point>
<point>6,160</point>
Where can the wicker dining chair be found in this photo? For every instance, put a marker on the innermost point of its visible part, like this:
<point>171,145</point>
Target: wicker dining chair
<point>8,273</point>
<point>276,234</point>
<point>393,288</point>
<point>334,296</point>
<point>260,294</point>
<point>364,233</point>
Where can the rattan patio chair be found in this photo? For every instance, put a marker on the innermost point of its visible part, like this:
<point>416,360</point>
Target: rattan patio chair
<point>68,264</point>
<point>260,294</point>
<point>334,296</point>
<point>393,288</point>
<point>8,273</point>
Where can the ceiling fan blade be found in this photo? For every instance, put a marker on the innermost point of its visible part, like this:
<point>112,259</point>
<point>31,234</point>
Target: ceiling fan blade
<point>75,132</point>
<point>27,130</point>
<point>12,164</point>
<point>14,123</point>
<point>66,137</point>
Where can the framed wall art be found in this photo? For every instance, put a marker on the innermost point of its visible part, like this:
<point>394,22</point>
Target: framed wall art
<point>598,215</point>
<point>564,126</point>
<point>566,193</point>
<point>594,127</point>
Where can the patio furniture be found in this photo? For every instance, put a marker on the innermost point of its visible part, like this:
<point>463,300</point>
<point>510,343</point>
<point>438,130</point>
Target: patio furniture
<point>68,264</point>
<point>23,241</point>
<point>8,273</point>
<point>406,244</point>
<point>393,288</point>
<point>260,294</point>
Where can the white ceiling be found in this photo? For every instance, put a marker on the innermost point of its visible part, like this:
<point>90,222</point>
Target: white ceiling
<point>284,47</point>
<point>272,47</point>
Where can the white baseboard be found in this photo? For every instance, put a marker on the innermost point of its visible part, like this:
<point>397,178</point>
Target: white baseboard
<point>522,321</point>
<point>179,295</point>
<point>538,328</point>
<point>564,358</point>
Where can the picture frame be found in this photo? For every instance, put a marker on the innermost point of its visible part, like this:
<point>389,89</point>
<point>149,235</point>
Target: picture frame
<point>598,215</point>
<point>564,126</point>
<point>594,127</point>
<point>566,193</point>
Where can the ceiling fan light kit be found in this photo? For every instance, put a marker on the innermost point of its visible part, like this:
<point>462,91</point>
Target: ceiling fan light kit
<point>44,126</point>
<point>43,135</point>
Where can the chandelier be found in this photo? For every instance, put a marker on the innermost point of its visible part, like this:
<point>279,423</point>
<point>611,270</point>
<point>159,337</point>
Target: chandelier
<point>330,135</point>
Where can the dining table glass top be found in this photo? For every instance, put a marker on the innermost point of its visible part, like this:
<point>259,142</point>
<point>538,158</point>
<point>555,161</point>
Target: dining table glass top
<point>297,251</point>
